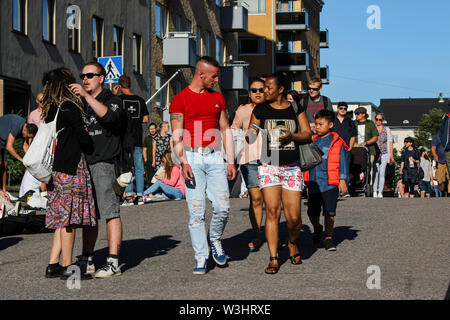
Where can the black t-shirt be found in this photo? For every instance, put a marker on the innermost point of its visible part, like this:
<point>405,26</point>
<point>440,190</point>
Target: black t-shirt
<point>105,131</point>
<point>274,151</point>
<point>136,108</point>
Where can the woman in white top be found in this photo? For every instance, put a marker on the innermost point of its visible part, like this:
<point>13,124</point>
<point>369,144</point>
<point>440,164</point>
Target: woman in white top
<point>386,147</point>
<point>248,159</point>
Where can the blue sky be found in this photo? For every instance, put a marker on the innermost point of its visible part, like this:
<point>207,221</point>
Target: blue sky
<point>408,57</point>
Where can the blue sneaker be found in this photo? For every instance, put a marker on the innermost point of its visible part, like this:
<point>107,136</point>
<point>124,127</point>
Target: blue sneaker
<point>200,268</point>
<point>217,252</point>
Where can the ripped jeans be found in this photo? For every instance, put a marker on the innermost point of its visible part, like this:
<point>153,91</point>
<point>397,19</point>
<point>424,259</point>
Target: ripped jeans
<point>210,175</point>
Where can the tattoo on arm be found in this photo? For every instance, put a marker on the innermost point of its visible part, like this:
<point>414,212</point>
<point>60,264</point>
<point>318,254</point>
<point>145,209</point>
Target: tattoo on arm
<point>176,116</point>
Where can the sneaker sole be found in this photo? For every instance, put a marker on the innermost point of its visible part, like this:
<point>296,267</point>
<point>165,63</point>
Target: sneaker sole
<point>108,276</point>
<point>198,272</point>
<point>218,262</point>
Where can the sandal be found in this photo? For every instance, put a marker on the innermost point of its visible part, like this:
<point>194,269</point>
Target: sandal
<point>255,245</point>
<point>297,255</point>
<point>271,269</point>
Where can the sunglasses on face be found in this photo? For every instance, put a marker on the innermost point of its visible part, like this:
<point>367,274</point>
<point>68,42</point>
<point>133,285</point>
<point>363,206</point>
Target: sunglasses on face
<point>314,89</point>
<point>343,108</point>
<point>255,90</point>
<point>89,75</point>
<point>378,119</point>
<point>358,113</point>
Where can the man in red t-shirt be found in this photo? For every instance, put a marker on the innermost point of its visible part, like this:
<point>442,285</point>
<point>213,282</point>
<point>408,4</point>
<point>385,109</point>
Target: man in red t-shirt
<point>199,125</point>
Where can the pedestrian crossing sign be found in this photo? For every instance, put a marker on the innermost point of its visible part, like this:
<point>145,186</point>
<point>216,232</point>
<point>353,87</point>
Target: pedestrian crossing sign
<point>113,67</point>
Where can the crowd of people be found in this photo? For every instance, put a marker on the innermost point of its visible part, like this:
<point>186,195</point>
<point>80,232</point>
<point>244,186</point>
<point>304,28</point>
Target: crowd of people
<point>101,136</point>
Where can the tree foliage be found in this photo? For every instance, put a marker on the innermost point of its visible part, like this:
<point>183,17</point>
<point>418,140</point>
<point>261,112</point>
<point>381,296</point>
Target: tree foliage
<point>428,126</point>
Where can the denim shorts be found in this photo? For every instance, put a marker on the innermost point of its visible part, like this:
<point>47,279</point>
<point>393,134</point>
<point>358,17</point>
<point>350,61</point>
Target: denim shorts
<point>326,200</point>
<point>106,201</point>
<point>250,175</point>
<point>425,186</point>
<point>290,178</point>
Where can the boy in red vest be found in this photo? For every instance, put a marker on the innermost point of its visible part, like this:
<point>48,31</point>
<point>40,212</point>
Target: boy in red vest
<point>326,180</point>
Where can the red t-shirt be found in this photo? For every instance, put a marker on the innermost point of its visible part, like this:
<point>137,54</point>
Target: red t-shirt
<point>201,116</point>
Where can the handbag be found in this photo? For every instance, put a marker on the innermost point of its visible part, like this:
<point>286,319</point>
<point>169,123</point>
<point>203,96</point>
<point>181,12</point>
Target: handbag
<point>310,155</point>
<point>40,155</point>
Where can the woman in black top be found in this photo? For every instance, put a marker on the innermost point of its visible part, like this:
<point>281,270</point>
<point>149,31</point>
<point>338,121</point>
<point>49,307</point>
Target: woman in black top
<point>70,199</point>
<point>280,175</point>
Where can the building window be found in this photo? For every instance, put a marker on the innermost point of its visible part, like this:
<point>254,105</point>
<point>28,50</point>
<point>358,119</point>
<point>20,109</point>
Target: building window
<point>199,41</point>
<point>178,19</point>
<point>19,18</point>
<point>252,46</point>
<point>256,6</point>
<point>160,21</point>
<point>207,43</point>
<point>137,53</point>
<point>161,98</point>
<point>118,41</point>
<point>286,42</point>
<point>48,20</point>
<point>188,27</point>
<point>219,51</point>
<point>97,37</point>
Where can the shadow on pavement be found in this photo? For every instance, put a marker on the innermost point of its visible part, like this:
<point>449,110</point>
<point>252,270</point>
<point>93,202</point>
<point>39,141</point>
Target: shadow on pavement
<point>133,252</point>
<point>9,242</point>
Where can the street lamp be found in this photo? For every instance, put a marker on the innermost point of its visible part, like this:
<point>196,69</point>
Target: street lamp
<point>441,98</point>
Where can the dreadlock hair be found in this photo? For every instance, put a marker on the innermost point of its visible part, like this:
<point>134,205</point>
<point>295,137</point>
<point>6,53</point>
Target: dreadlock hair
<point>56,90</point>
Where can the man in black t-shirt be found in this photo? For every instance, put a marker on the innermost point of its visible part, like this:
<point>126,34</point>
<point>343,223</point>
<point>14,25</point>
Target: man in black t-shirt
<point>315,102</point>
<point>137,113</point>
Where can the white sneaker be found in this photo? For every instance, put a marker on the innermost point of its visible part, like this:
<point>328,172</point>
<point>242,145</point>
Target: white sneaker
<point>375,194</point>
<point>380,195</point>
<point>108,270</point>
<point>85,264</point>
<point>11,197</point>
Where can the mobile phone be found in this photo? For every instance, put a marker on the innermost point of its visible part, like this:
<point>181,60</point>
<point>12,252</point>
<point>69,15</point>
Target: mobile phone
<point>257,127</point>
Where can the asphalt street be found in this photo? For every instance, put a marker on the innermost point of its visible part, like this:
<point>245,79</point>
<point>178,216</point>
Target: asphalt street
<point>386,249</point>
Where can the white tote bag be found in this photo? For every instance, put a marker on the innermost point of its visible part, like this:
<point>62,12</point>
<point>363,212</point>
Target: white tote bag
<point>40,155</point>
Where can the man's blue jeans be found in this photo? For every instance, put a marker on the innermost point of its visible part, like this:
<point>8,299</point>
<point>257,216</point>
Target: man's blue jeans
<point>138,172</point>
<point>168,192</point>
<point>210,176</point>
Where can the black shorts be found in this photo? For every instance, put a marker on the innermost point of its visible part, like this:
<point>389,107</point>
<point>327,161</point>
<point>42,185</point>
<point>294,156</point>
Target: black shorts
<point>3,152</point>
<point>326,200</point>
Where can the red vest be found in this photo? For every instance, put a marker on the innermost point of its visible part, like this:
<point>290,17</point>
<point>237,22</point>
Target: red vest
<point>333,159</point>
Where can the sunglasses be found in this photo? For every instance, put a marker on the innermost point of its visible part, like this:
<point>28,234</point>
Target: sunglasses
<point>255,90</point>
<point>342,108</point>
<point>378,119</point>
<point>314,89</point>
<point>89,75</point>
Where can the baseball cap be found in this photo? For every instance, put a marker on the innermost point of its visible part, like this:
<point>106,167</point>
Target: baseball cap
<point>360,110</point>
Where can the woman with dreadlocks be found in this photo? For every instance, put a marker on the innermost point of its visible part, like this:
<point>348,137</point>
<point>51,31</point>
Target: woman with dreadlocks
<point>70,202</point>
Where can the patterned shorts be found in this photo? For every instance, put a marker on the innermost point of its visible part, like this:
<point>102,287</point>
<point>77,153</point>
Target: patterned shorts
<point>290,178</point>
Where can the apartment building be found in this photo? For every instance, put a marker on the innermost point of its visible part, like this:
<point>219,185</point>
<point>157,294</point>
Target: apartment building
<point>159,40</point>
<point>285,35</point>
<point>40,35</point>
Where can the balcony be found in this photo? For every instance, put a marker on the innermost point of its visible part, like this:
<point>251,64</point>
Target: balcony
<point>292,61</point>
<point>234,17</point>
<point>324,40</point>
<point>325,75</point>
<point>179,49</point>
<point>234,76</point>
<point>292,20</point>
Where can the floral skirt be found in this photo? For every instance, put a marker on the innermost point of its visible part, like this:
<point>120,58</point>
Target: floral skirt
<point>70,200</point>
